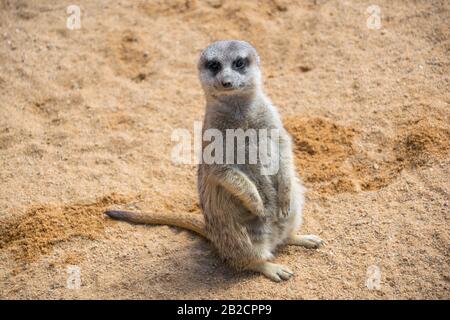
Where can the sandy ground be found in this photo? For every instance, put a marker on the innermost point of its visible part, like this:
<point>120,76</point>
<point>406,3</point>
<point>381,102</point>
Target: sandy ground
<point>86,118</point>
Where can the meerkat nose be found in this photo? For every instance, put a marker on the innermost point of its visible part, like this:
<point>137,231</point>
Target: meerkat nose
<point>226,84</point>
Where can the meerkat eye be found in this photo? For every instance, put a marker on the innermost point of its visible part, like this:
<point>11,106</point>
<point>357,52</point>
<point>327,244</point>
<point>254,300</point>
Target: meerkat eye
<point>240,63</point>
<point>213,66</point>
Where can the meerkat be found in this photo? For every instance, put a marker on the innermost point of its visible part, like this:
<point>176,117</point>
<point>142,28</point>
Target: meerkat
<point>247,215</point>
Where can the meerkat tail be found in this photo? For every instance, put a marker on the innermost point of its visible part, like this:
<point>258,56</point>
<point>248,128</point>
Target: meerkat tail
<point>190,222</point>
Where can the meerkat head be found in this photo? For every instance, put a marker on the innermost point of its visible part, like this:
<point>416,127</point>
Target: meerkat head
<point>229,68</point>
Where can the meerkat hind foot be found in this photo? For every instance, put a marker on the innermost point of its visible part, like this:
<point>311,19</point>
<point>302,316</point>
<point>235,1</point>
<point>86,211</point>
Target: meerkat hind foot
<point>308,241</point>
<point>273,271</point>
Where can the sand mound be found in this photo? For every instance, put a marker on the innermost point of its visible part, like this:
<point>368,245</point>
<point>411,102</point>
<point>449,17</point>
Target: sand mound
<point>330,160</point>
<point>42,227</point>
<point>322,150</point>
<point>422,141</point>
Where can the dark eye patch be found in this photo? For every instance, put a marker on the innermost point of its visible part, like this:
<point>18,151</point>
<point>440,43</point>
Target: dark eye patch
<point>240,63</point>
<point>213,66</point>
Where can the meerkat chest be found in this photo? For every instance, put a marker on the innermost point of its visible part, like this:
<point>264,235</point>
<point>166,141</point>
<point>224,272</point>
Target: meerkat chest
<point>248,138</point>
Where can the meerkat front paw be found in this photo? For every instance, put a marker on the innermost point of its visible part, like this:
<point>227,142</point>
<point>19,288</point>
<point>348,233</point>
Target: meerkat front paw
<point>260,210</point>
<point>285,205</point>
<point>308,241</point>
<point>284,198</point>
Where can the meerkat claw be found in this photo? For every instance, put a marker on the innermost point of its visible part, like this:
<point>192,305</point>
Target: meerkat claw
<point>284,212</point>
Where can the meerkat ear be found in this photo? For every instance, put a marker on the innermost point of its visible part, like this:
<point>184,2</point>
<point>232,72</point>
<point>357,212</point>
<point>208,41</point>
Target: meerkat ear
<point>201,63</point>
<point>255,53</point>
